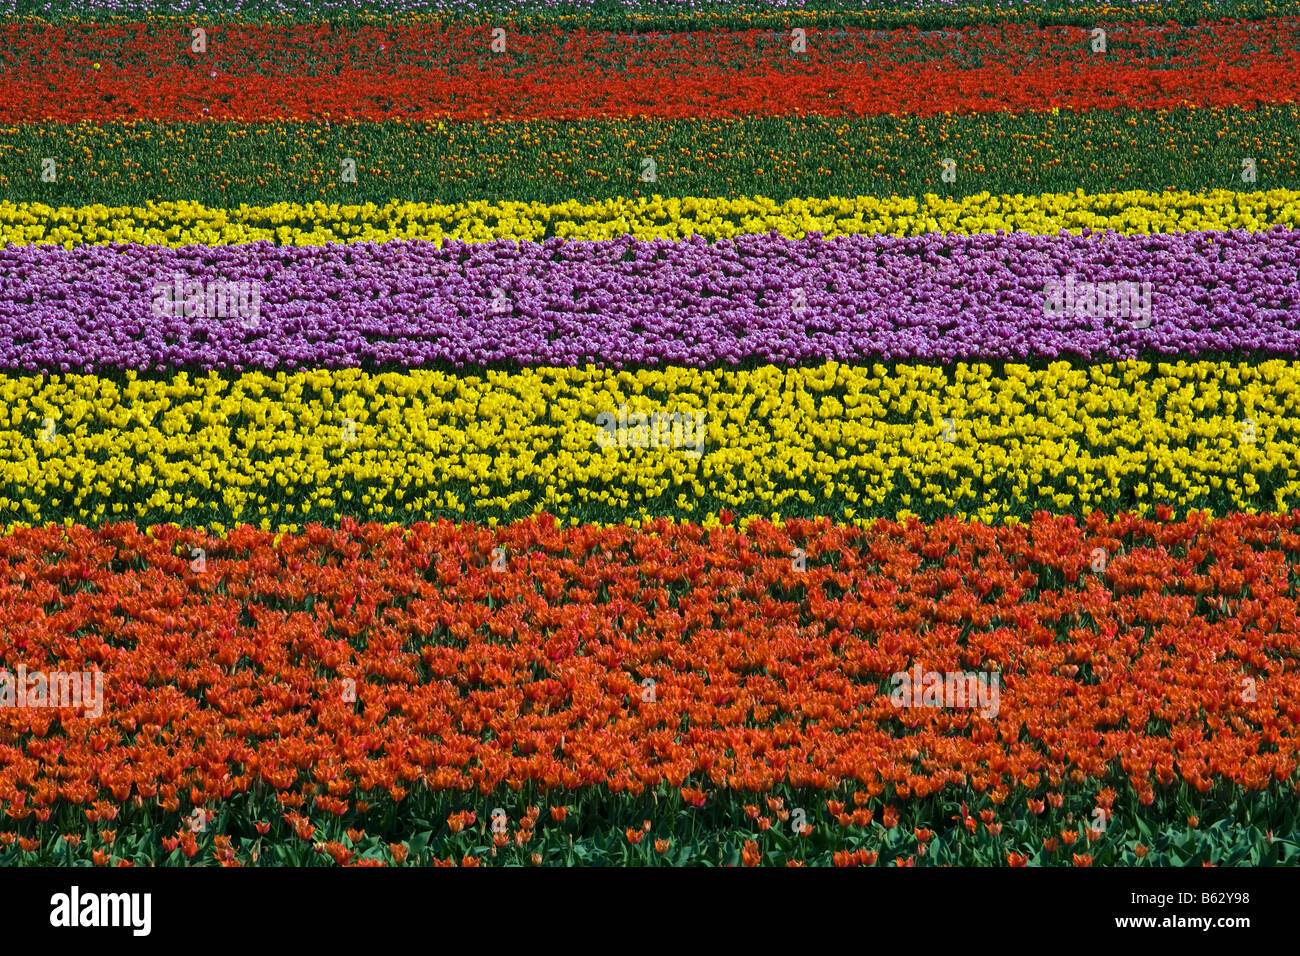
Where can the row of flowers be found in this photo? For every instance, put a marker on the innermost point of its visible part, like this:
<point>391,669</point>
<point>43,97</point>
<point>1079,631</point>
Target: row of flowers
<point>930,89</point>
<point>336,670</point>
<point>642,14</point>
<point>312,224</point>
<point>628,302</point>
<point>292,73</point>
<point>446,50</point>
<point>599,445</point>
<point>648,13</point>
<point>226,164</point>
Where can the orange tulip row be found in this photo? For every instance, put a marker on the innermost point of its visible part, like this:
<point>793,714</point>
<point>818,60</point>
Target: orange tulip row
<point>341,664</point>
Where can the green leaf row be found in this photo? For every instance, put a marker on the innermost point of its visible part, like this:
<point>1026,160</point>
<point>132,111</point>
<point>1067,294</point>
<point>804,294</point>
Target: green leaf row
<point>1226,826</point>
<point>668,15</point>
<point>224,164</point>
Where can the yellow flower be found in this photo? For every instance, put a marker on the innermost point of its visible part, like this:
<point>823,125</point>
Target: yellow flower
<point>771,441</point>
<point>184,223</point>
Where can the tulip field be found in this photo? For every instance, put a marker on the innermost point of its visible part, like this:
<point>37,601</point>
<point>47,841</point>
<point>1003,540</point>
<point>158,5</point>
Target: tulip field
<point>736,433</point>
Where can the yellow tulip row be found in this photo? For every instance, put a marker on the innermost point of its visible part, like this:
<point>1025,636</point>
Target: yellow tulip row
<point>845,441</point>
<point>189,223</point>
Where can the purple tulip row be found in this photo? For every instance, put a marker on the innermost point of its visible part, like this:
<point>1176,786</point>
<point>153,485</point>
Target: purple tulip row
<point>625,302</point>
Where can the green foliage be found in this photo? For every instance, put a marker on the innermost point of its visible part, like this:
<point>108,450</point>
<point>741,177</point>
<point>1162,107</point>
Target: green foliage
<point>782,158</point>
<point>1228,826</point>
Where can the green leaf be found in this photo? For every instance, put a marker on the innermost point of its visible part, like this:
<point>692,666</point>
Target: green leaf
<point>419,842</point>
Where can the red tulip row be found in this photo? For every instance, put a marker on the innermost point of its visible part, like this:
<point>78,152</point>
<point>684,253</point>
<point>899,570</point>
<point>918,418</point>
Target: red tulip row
<point>252,72</point>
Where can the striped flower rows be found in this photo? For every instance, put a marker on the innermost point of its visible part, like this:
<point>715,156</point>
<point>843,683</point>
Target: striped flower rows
<point>648,441</point>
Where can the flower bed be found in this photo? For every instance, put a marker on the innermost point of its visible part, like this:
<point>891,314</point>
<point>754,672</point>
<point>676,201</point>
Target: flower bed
<point>626,302</point>
<point>334,686</point>
<point>849,441</point>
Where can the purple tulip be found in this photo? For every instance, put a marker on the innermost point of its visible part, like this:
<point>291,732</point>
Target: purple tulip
<point>625,302</point>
